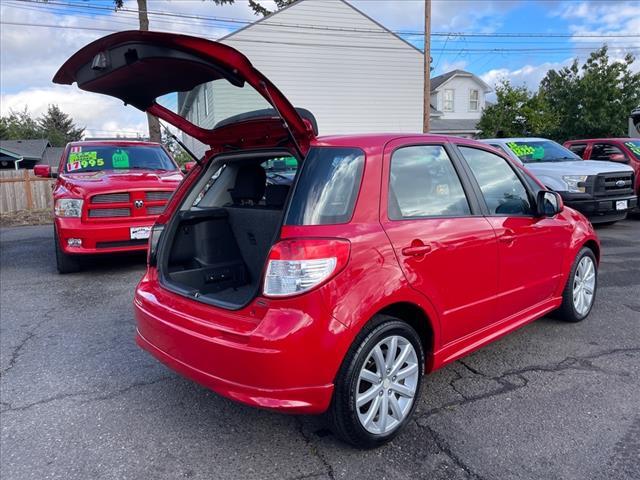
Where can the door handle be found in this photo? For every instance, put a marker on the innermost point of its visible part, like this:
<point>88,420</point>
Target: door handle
<point>509,239</point>
<point>416,249</point>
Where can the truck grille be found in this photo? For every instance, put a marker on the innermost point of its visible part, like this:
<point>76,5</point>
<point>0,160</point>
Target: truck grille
<point>111,198</point>
<point>158,196</point>
<point>128,204</point>
<point>109,212</point>
<point>613,184</point>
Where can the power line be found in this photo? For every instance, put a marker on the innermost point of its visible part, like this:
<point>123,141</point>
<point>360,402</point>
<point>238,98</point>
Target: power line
<point>343,46</point>
<point>381,30</point>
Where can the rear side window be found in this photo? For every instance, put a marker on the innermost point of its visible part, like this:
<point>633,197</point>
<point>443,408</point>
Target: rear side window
<point>424,183</point>
<point>578,149</point>
<point>328,186</point>
<point>501,188</point>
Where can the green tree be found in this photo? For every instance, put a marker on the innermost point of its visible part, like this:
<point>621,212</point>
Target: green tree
<point>593,100</point>
<point>516,113</point>
<point>58,127</point>
<point>19,126</point>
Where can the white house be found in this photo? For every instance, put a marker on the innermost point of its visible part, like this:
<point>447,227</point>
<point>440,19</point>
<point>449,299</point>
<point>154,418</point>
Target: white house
<point>351,72</point>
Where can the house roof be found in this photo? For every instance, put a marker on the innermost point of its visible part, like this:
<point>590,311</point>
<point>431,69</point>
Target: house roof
<point>52,156</point>
<point>453,125</point>
<point>437,82</point>
<point>434,112</point>
<point>298,2</point>
<point>27,149</point>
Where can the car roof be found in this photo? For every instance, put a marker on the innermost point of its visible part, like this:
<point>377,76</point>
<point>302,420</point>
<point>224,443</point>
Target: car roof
<point>516,139</point>
<point>377,139</point>
<point>130,143</point>
<point>620,139</point>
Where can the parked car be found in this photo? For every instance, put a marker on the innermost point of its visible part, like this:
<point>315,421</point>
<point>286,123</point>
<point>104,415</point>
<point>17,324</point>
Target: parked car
<point>601,190</point>
<point>621,150</point>
<point>107,196</point>
<point>390,255</point>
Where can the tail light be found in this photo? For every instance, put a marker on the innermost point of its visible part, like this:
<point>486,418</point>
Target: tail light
<point>299,265</point>
<point>154,238</point>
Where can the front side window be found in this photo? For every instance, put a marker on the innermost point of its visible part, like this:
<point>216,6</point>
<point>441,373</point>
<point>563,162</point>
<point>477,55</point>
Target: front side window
<point>89,158</point>
<point>501,188</point>
<point>474,100</point>
<point>578,149</point>
<point>448,100</point>
<point>424,183</point>
<point>606,151</point>
<point>328,186</point>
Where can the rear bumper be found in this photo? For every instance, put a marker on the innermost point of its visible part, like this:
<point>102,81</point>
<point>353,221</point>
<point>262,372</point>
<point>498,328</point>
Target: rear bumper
<point>269,354</point>
<point>600,209</point>
<point>98,238</point>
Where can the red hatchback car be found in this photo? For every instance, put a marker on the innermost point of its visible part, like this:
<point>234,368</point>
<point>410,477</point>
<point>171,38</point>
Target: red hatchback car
<point>107,196</point>
<point>387,255</point>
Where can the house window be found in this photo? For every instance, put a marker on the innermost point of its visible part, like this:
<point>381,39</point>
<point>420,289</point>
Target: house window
<point>474,100</point>
<point>448,100</point>
<point>205,98</point>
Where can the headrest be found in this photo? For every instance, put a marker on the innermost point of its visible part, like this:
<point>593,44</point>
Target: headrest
<point>250,184</point>
<point>276,195</point>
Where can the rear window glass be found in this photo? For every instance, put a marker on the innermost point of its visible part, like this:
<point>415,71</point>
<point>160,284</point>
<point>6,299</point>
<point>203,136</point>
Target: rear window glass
<point>328,186</point>
<point>85,158</point>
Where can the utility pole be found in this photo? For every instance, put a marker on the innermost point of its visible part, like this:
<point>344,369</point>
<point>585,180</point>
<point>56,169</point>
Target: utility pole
<point>426,101</point>
<point>155,134</point>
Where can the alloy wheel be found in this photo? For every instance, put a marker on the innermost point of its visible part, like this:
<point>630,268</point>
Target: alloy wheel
<point>387,385</point>
<point>584,284</point>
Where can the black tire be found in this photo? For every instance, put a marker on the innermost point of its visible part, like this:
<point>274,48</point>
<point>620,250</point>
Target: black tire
<point>342,414</point>
<point>567,311</point>
<point>65,263</point>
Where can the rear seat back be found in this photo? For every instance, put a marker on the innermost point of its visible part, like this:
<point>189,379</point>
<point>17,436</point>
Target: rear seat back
<point>254,229</point>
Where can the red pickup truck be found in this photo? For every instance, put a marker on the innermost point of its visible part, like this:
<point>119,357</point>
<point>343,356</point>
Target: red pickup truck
<point>623,150</point>
<point>107,197</point>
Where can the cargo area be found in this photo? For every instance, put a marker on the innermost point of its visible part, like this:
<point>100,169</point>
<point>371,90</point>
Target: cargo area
<point>219,245</point>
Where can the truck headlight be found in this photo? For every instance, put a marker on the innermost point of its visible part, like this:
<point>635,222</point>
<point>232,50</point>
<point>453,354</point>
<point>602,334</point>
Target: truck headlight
<point>575,183</point>
<point>68,207</point>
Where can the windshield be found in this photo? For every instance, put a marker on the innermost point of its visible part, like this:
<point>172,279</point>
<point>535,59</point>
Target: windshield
<point>90,158</point>
<point>634,146</point>
<point>541,151</point>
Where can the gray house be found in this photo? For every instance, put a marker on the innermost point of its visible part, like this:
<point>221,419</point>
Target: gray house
<point>15,154</point>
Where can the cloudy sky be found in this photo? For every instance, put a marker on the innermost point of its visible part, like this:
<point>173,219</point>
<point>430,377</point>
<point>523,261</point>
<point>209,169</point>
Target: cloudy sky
<point>36,38</point>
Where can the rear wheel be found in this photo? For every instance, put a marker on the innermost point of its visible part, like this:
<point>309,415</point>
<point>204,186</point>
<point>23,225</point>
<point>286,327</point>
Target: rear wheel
<point>65,263</point>
<point>378,384</point>
<point>580,290</point>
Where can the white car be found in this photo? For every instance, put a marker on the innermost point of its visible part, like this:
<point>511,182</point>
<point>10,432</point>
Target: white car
<point>602,191</point>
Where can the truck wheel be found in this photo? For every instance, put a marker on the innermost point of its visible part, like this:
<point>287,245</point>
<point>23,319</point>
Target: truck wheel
<point>378,385</point>
<point>65,263</point>
<point>580,291</point>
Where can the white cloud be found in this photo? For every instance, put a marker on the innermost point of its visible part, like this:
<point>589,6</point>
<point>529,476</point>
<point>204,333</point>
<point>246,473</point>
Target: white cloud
<point>101,115</point>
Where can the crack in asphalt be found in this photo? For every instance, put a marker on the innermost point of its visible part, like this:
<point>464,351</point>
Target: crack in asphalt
<point>445,448</point>
<point>508,385</point>
<point>31,333</point>
<point>315,451</point>
<point>99,398</point>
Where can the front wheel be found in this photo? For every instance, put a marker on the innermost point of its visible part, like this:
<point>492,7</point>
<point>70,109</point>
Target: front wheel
<point>65,263</point>
<point>580,290</point>
<point>378,384</point>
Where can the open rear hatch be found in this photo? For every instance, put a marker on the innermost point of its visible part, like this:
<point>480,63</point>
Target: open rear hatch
<point>164,74</point>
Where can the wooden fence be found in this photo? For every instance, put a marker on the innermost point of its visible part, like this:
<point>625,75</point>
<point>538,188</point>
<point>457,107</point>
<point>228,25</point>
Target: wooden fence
<point>22,190</point>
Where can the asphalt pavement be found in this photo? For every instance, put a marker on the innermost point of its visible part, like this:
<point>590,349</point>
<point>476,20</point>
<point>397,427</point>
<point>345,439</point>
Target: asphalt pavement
<point>79,400</point>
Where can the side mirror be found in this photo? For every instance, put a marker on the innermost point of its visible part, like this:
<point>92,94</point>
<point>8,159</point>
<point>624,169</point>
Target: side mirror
<point>43,171</point>
<point>188,166</point>
<point>618,157</point>
<point>549,203</point>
